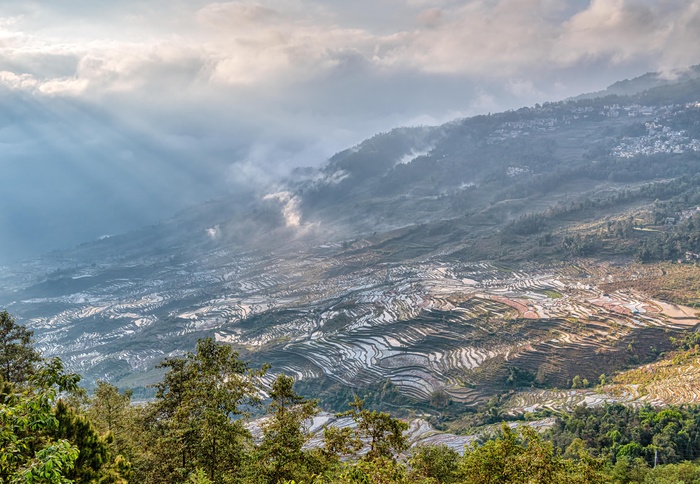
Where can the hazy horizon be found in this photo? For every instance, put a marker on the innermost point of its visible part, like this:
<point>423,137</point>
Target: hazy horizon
<point>117,115</point>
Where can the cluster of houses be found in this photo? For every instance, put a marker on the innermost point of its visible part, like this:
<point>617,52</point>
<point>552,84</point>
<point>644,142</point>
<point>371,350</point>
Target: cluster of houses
<point>514,171</point>
<point>659,139</point>
<point>686,214</point>
<point>691,256</point>
<point>637,111</point>
<point>665,141</point>
<point>516,129</point>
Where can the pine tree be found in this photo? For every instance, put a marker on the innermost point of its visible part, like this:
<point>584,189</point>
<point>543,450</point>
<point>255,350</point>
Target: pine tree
<point>192,422</point>
<point>111,413</point>
<point>93,449</point>
<point>280,456</point>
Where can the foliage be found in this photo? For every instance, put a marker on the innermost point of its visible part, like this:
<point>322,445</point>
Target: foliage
<point>384,433</point>
<point>682,240</point>
<point>523,456</point>
<point>194,432</point>
<point>111,413</point>
<point>32,448</point>
<point>690,341</point>
<point>334,397</point>
<point>660,436</point>
<point>518,377</point>
<point>198,477</point>
<point>17,356</point>
<point>280,455</point>
<point>28,453</point>
<point>93,450</point>
<point>436,462</point>
<point>193,424</point>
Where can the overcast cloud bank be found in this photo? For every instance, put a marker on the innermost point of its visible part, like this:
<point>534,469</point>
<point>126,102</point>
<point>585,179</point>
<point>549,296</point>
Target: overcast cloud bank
<point>116,114</point>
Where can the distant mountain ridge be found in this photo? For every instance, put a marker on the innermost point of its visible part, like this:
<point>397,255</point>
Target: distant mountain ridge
<point>645,82</point>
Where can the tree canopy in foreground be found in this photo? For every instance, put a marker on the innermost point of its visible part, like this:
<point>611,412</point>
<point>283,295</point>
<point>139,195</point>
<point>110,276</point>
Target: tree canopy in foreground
<point>197,430</point>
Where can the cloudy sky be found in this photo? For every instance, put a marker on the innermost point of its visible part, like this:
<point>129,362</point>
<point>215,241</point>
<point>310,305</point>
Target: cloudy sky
<point>116,114</point>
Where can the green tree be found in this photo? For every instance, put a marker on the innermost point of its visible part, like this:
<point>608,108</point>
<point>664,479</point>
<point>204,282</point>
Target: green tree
<point>380,470</point>
<point>17,356</point>
<point>108,406</point>
<point>682,473</point>
<point>383,432</point>
<point>338,442</point>
<point>438,462</point>
<point>94,461</point>
<point>30,452</point>
<point>111,413</point>
<point>523,456</point>
<point>576,382</point>
<point>280,456</point>
<point>628,470</point>
<point>198,477</point>
<point>194,421</point>
<point>580,467</point>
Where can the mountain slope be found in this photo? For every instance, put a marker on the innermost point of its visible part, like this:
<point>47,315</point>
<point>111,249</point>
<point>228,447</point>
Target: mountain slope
<point>443,259</point>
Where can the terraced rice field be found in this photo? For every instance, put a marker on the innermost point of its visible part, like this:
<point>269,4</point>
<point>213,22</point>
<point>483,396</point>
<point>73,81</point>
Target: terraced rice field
<point>671,381</point>
<point>347,314</point>
<point>674,380</point>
